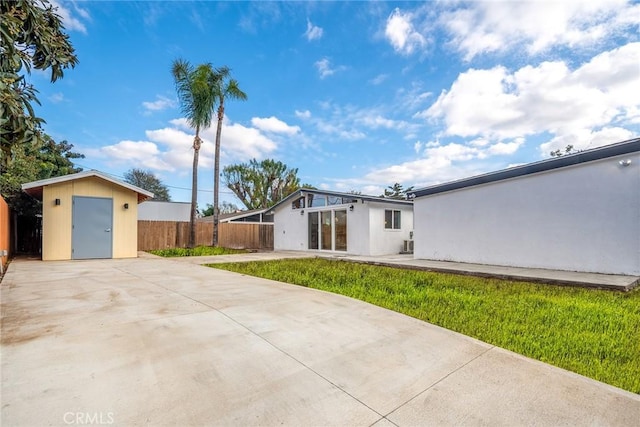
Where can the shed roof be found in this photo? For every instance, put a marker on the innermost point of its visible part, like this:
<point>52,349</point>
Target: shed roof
<point>617,149</point>
<point>304,191</point>
<point>34,188</point>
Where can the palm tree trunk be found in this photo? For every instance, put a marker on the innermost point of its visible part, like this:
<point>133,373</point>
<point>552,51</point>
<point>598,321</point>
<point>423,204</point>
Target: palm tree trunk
<point>197,142</point>
<point>216,174</point>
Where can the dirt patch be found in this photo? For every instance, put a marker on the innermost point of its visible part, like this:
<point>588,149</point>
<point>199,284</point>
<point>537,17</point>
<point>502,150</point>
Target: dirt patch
<point>18,335</point>
<point>18,326</point>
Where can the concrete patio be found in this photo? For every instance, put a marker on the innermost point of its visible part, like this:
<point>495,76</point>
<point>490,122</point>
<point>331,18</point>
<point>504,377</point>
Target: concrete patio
<point>153,341</point>
<point>537,275</point>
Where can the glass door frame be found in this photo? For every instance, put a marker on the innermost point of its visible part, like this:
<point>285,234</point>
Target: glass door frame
<point>316,238</point>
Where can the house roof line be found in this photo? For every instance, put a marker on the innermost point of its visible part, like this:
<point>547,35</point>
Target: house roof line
<point>340,194</point>
<point>234,215</point>
<point>168,201</point>
<point>35,188</point>
<point>617,149</point>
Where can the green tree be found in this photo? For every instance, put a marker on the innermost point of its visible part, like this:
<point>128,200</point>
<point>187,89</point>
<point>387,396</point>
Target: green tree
<point>197,88</point>
<point>225,207</point>
<point>227,88</point>
<point>262,184</point>
<point>569,149</point>
<point>31,35</point>
<point>148,181</point>
<point>46,159</point>
<point>396,191</point>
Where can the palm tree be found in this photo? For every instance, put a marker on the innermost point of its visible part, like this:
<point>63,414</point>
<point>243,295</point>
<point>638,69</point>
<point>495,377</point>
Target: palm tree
<point>227,89</point>
<point>197,90</point>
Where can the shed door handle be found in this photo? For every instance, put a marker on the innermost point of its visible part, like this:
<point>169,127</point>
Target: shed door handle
<point>107,230</point>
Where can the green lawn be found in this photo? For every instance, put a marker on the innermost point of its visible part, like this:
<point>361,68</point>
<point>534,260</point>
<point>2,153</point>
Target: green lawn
<point>197,251</point>
<point>592,332</point>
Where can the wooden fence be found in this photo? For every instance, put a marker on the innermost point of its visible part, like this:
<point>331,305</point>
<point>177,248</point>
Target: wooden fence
<point>171,234</point>
<point>5,228</point>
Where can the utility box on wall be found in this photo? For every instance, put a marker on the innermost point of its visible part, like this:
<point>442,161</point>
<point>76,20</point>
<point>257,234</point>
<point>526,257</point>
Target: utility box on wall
<point>88,215</point>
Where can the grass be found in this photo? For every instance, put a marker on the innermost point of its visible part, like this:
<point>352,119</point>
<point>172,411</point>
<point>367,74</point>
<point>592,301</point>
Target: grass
<point>197,251</point>
<point>592,332</point>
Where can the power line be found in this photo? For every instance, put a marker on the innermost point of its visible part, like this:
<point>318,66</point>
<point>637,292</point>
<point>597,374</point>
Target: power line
<point>168,186</point>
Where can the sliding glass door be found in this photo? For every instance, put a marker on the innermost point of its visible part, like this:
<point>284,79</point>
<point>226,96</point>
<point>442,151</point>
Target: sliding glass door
<point>328,230</point>
<point>340,229</point>
<point>325,230</point>
<point>314,230</point>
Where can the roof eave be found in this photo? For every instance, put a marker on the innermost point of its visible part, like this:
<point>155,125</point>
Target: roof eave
<point>34,188</point>
<point>621,148</point>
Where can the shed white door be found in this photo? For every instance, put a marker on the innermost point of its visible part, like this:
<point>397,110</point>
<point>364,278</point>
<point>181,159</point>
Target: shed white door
<point>92,221</point>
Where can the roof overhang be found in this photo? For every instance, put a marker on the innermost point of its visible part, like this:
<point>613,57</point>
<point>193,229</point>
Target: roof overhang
<point>620,148</point>
<point>35,188</point>
<point>362,197</point>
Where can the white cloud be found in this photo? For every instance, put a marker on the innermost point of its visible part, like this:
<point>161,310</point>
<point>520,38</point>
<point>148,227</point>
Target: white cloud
<point>324,68</point>
<point>242,143</point>
<point>313,32</point>
<point>376,121</point>
<point>488,26</point>
<point>417,146</point>
<point>171,148</point>
<point>585,138</point>
<point>274,125</point>
<point>413,98</point>
<point>505,148</point>
<point>401,33</point>
<point>351,123</point>
<point>339,130</point>
<point>438,163</point>
<point>379,79</point>
<point>57,97</point>
<point>172,138</point>
<point>239,143</point>
<point>137,153</point>
<point>548,98</point>
<point>441,163</point>
<point>69,19</point>
<point>306,114</point>
<point>161,103</point>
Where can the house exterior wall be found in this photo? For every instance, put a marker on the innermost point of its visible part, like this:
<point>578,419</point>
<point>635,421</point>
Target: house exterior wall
<point>358,238</point>
<point>387,241</point>
<point>584,217</point>
<point>125,223</point>
<point>57,220</point>
<point>164,211</point>
<point>366,234</point>
<point>290,231</point>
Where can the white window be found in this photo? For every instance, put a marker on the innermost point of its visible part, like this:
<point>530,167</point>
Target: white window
<point>298,203</point>
<point>316,201</point>
<point>392,220</point>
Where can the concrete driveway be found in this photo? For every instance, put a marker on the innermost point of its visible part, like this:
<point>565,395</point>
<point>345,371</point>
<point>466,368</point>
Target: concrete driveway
<point>158,342</point>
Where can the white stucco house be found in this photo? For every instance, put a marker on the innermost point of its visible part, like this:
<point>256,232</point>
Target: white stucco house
<point>328,221</point>
<point>154,210</point>
<point>578,212</point>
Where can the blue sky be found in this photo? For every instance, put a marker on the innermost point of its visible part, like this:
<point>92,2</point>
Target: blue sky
<point>356,95</point>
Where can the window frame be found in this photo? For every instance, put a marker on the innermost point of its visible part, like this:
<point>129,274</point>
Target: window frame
<point>299,203</point>
<point>395,220</point>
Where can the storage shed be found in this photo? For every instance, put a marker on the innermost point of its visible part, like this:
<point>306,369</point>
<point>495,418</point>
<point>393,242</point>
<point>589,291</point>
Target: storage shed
<point>88,215</point>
